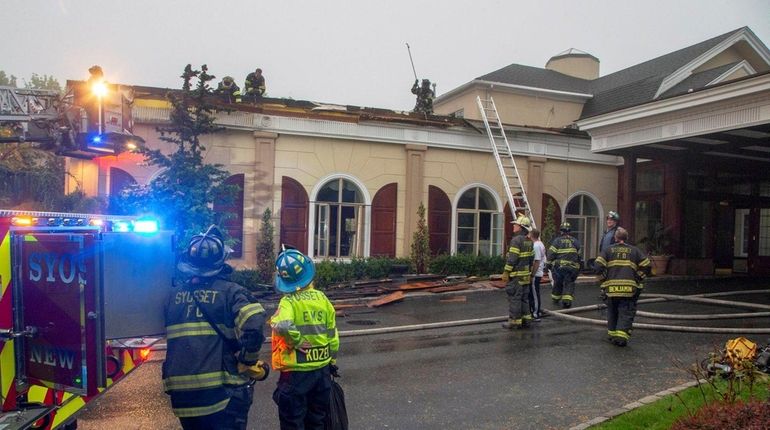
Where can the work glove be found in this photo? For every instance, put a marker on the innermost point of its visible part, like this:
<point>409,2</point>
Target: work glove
<point>334,370</point>
<point>506,276</point>
<point>257,372</point>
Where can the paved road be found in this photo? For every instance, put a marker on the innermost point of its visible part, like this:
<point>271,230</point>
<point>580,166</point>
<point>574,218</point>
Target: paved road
<point>552,376</point>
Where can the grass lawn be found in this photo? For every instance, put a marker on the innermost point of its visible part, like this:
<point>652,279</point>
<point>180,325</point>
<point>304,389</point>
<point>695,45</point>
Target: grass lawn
<point>662,414</point>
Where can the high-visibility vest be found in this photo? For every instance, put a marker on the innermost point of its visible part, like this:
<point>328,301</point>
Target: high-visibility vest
<point>304,332</point>
<point>199,362</point>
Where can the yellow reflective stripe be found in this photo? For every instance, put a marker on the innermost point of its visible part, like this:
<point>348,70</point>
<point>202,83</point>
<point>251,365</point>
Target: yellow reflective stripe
<point>201,410</point>
<point>514,250</point>
<point>247,312</point>
<point>622,263</point>
<point>644,263</point>
<point>566,251</point>
<point>619,283</point>
<point>202,380</point>
<point>507,268</point>
<point>601,260</point>
<point>567,297</point>
<point>527,254</point>
<point>190,329</point>
<point>621,333</point>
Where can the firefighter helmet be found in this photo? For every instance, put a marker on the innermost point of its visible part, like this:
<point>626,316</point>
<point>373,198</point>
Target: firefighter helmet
<point>613,216</point>
<point>227,81</point>
<point>565,227</point>
<point>294,271</point>
<point>523,222</point>
<point>205,255</point>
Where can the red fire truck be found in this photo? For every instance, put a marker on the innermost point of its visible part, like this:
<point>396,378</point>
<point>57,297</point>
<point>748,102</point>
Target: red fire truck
<point>81,303</point>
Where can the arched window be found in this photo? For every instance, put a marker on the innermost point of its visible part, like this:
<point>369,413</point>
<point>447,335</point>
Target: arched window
<point>479,228</point>
<point>339,227</point>
<point>583,215</point>
<point>120,180</point>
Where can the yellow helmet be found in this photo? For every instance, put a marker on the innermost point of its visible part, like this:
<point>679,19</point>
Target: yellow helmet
<point>523,222</point>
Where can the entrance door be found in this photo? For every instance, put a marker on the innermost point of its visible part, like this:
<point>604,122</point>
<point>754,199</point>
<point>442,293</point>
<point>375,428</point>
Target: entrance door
<point>759,243</point>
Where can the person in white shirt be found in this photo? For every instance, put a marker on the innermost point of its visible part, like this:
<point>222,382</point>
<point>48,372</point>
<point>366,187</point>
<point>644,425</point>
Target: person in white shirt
<point>537,273</point>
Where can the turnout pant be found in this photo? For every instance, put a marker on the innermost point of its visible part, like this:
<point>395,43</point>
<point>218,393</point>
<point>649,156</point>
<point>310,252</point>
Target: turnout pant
<point>620,317</point>
<point>303,399</point>
<point>233,417</point>
<point>564,284</point>
<point>518,301</point>
<point>534,296</point>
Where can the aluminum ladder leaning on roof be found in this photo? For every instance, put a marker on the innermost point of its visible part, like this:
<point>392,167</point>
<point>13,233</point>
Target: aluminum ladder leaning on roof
<point>504,157</point>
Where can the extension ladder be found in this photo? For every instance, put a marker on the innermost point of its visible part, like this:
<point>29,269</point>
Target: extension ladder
<point>514,189</point>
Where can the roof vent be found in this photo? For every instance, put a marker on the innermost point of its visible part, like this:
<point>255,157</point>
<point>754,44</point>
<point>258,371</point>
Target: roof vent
<point>574,62</point>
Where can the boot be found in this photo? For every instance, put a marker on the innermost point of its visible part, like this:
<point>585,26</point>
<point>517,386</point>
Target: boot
<point>619,341</point>
<point>511,324</point>
<point>566,304</point>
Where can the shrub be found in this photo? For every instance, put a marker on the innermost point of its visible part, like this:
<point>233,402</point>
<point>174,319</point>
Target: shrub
<point>752,414</point>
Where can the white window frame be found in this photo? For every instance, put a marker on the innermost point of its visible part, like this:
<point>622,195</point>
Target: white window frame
<point>313,205</point>
<point>498,210</point>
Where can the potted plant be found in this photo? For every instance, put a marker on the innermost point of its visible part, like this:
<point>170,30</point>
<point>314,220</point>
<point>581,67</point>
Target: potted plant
<point>657,246</point>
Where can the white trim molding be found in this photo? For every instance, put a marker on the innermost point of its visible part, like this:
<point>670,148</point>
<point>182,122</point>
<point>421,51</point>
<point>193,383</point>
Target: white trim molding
<point>742,35</point>
<point>743,65</point>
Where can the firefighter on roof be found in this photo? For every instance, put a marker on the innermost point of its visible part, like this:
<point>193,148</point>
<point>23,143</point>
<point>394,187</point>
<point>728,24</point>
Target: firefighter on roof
<point>255,84</point>
<point>516,274</point>
<point>214,332</point>
<point>229,90</point>
<point>425,96</point>
<point>564,257</point>
<point>305,344</point>
<point>623,267</point>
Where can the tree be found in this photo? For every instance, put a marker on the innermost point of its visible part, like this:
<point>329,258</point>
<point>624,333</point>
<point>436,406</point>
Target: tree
<point>6,80</point>
<point>43,82</point>
<point>182,195</point>
<point>266,249</point>
<point>549,223</point>
<point>420,254</point>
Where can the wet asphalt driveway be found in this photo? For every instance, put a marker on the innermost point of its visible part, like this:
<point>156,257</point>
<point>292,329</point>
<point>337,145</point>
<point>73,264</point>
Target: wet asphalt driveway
<point>553,375</point>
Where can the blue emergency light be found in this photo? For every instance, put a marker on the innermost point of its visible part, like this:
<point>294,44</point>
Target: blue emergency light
<point>96,139</point>
<point>146,226</point>
<point>121,226</point>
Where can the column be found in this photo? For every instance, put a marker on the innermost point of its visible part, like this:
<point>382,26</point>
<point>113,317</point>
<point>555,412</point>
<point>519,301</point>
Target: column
<point>535,180</point>
<point>628,194</point>
<point>415,184</point>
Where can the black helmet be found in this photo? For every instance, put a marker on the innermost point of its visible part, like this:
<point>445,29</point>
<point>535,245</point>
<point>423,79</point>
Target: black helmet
<point>613,215</point>
<point>565,227</point>
<point>227,80</point>
<point>205,255</point>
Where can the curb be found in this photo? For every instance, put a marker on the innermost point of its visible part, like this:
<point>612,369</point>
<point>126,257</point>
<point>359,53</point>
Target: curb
<point>637,404</point>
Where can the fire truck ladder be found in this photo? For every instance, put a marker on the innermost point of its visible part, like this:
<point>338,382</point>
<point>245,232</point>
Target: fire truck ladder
<point>505,161</point>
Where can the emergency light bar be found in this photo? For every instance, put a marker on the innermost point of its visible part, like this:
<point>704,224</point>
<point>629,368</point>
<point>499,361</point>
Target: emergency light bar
<point>119,224</point>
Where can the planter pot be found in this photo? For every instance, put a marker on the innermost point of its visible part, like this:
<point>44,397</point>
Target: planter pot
<point>659,264</point>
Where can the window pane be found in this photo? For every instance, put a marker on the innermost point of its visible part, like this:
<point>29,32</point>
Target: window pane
<point>485,226</point>
<point>650,180</point>
<point>465,219</point>
<point>486,201</point>
<point>350,193</point>
<point>764,232</point>
<point>468,199</point>
<point>465,248</point>
<point>321,230</point>
<point>649,216</point>
<point>589,207</point>
<point>349,236</point>
<point>330,192</point>
<point>497,233</point>
<point>573,207</point>
<point>466,235</point>
<point>334,211</point>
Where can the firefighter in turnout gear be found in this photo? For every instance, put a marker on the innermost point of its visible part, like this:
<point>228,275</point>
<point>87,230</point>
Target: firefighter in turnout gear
<point>516,274</point>
<point>305,344</point>
<point>425,96</point>
<point>213,329</point>
<point>564,257</point>
<point>623,267</point>
<point>229,90</point>
<point>255,84</point>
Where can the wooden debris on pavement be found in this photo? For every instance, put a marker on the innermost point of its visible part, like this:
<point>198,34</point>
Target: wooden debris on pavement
<point>390,298</point>
<point>454,299</point>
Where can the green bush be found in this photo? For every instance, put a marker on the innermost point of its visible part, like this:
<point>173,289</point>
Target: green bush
<point>467,265</point>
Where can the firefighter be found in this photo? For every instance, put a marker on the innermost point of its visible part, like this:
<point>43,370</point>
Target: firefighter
<point>564,257</point>
<point>516,274</point>
<point>623,267</point>
<point>255,84</point>
<point>305,344</point>
<point>229,90</point>
<point>613,219</point>
<point>214,332</point>
<point>425,96</point>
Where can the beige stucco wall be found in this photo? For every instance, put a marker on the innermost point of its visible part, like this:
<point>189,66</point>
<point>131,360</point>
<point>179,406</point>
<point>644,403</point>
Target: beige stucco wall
<point>519,109</point>
<point>730,55</point>
<point>310,160</point>
<point>579,66</point>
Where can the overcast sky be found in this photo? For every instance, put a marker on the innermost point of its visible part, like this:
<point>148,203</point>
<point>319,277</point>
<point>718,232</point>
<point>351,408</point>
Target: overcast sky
<point>349,52</point>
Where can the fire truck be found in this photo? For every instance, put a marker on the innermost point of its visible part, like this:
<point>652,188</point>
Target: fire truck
<point>81,303</point>
<point>81,295</point>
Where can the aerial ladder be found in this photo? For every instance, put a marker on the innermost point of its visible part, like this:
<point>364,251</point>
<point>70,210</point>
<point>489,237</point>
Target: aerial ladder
<point>514,188</point>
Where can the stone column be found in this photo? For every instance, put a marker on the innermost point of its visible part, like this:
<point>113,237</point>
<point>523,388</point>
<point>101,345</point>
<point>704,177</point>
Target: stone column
<point>628,193</point>
<point>415,183</point>
<point>535,180</point>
